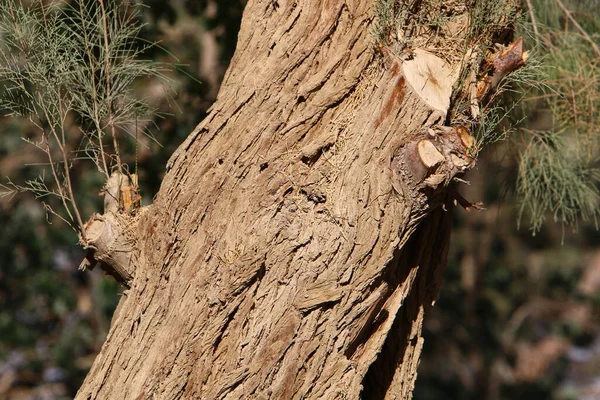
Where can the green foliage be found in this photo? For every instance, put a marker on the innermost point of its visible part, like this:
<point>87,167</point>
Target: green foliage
<point>69,70</point>
<point>490,16</point>
<point>388,16</point>
<point>74,99</point>
<point>499,118</point>
<point>39,279</point>
<point>400,22</point>
<point>558,171</point>
<point>553,176</point>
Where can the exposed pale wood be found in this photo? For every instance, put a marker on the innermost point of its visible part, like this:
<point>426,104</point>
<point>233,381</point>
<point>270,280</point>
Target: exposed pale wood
<point>112,192</point>
<point>320,294</point>
<point>435,180</point>
<point>431,78</point>
<point>429,155</point>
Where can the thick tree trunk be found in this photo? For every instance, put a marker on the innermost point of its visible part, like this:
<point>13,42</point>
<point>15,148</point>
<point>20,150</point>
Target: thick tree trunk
<point>300,234</point>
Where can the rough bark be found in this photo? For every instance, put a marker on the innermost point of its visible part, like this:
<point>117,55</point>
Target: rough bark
<point>300,234</point>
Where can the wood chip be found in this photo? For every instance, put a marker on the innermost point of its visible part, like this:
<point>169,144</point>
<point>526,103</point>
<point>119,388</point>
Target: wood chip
<point>429,154</point>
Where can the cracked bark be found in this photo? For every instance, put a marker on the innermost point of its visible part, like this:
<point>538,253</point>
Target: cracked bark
<point>295,245</point>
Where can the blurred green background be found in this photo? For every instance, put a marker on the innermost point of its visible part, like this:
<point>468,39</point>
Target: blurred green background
<point>517,317</point>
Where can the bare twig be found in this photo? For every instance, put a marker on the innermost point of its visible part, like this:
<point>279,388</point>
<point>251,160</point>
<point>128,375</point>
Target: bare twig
<point>586,36</point>
<point>62,147</point>
<point>467,205</point>
<point>49,209</point>
<point>94,92</point>
<point>533,21</point>
<point>53,169</point>
<point>108,86</point>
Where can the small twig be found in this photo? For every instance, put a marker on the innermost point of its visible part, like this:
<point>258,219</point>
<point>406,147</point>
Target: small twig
<point>467,205</point>
<point>51,211</point>
<point>136,148</point>
<point>586,36</point>
<point>61,147</point>
<point>90,58</point>
<point>533,21</point>
<point>7,192</point>
<point>459,180</point>
<point>108,94</point>
<point>89,262</point>
<point>574,107</point>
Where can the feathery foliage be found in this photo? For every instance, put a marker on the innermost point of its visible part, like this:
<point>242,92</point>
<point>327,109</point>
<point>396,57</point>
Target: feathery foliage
<point>68,68</point>
<point>562,74</point>
<point>553,177</point>
<point>558,168</point>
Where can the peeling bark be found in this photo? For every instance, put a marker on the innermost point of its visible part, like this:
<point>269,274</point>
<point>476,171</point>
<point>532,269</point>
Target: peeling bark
<point>298,239</point>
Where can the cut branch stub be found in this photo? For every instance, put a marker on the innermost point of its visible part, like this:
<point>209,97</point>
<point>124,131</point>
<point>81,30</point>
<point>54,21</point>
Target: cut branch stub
<point>430,156</point>
<point>111,237</point>
<point>431,78</point>
<point>509,59</point>
<point>500,64</point>
<point>442,153</point>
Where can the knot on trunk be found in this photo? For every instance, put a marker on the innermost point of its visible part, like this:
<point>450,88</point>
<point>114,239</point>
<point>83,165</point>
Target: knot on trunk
<point>111,238</point>
<point>435,157</point>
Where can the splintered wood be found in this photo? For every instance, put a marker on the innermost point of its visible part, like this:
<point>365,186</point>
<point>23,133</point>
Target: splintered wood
<point>429,155</point>
<point>121,194</point>
<point>496,66</point>
<point>499,64</point>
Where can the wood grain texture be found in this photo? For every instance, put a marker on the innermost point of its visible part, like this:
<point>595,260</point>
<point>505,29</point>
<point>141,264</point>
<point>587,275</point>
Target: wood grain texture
<point>290,252</point>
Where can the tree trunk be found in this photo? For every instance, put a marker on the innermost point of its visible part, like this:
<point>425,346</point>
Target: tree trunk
<point>300,234</point>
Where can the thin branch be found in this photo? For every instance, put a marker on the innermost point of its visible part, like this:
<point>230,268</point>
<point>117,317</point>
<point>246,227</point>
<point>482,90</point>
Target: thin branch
<point>49,153</point>
<point>586,36</point>
<point>67,169</point>
<point>108,85</point>
<point>94,90</point>
<point>61,146</point>
<point>533,21</point>
<point>51,211</point>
